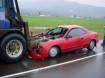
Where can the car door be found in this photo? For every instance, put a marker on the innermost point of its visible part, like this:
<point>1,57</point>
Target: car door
<point>73,40</point>
<point>84,36</point>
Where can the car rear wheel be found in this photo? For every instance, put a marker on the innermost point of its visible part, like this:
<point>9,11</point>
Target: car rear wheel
<point>54,51</point>
<point>91,45</point>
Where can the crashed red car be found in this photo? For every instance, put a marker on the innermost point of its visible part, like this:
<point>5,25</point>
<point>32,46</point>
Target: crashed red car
<point>64,39</point>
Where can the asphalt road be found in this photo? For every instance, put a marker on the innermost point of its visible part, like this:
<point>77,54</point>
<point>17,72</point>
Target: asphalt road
<point>77,64</point>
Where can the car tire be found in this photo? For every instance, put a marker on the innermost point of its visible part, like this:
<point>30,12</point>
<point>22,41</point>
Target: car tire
<point>53,52</point>
<point>13,48</point>
<point>91,45</point>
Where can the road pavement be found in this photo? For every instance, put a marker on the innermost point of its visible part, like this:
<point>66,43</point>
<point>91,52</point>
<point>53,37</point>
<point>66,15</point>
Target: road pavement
<point>77,64</point>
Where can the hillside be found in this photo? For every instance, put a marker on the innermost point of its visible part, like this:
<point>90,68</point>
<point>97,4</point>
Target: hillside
<point>60,8</point>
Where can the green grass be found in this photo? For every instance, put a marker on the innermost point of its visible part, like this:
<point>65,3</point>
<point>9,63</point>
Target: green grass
<point>91,24</point>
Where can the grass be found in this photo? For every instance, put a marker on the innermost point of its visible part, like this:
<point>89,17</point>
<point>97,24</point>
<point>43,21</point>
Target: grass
<point>91,24</point>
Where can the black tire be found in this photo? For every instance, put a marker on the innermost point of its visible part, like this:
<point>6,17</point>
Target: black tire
<point>54,51</point>
<point>91,45</point>
<point>13,48</point>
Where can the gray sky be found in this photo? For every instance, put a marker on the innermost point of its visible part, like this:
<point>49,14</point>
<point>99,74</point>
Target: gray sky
<point>90,2</point>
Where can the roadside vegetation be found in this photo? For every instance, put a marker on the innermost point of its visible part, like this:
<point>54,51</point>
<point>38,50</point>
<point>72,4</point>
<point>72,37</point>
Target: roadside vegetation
<point>91,24</point>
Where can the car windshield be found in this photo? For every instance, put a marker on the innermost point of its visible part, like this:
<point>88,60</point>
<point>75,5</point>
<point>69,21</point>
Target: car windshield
<point>57,31</point>
<point>0,3</point>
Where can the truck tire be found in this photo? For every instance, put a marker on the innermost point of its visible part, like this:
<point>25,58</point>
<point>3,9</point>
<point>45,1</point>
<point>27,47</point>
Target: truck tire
<point>13,48</point>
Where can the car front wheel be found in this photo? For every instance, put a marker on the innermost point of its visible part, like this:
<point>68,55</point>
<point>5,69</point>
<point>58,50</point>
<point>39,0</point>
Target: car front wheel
<point>54,51</point>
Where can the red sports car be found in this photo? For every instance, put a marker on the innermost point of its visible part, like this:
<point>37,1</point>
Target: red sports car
<point>64,39</point>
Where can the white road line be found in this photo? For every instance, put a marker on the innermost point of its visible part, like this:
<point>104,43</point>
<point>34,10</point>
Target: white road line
<point>47,67</point>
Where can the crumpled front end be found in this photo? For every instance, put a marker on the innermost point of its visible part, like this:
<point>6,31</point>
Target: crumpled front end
<point>37,51</point>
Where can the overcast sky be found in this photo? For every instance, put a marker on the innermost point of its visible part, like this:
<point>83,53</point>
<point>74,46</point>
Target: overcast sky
<point>90,2</point>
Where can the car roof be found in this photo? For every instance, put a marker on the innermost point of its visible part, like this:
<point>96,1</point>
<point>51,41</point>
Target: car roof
<point>71,26</point>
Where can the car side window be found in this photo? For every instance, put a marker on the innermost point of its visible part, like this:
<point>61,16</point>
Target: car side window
<point>82,31</point>
<point>76,32</point>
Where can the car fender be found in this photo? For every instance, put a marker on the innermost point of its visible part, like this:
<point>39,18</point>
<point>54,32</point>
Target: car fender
<point>47,46</point>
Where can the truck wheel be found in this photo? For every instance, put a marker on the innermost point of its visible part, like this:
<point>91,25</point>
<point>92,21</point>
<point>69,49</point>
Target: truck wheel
<point>13,48</point>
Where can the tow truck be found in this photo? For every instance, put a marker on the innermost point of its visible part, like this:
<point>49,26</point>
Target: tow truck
<point>15,40</point>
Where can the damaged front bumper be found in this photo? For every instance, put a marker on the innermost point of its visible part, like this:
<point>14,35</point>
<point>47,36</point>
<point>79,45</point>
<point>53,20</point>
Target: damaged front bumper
<point>35,55</point>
